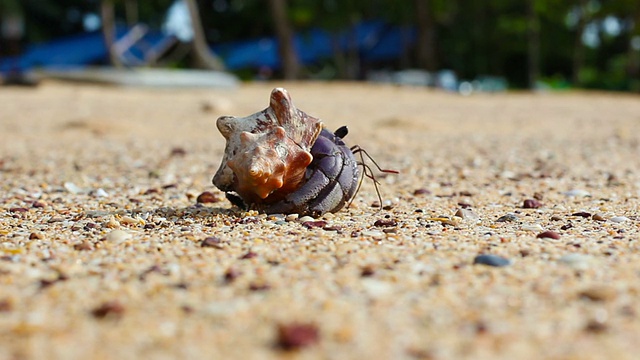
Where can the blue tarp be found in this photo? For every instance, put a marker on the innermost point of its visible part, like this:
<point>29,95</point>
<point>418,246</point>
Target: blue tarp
<point>374,41</point>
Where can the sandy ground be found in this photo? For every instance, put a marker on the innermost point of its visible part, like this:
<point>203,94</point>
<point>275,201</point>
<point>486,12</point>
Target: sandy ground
<point>101,237</point>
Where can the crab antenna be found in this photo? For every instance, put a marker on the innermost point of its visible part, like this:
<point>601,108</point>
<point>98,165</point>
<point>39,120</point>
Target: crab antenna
<point>368,174</point>
<point>357,149</point>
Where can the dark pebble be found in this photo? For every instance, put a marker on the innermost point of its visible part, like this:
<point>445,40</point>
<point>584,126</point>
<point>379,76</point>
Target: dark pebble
<point>248,255</point>
<point>294,336</point>
<point>259,286</point>
<point>112,309</point>
<point>18,210</point>
<point>583,214</point>
<point>491,260</point>
<point>6,305</point>
<point>595,326</point>
<point>548,234</point>
<point>207,197</point>
<point>421,191</point>
<point>531,204</point>
<point>178,151</point>
<point>507,218</point>
<point>385,223</point>
<point>566,226</point>
<point>38,204</point>
<point>230,275</point>
<point>212,241</point>
<point>367,271</point>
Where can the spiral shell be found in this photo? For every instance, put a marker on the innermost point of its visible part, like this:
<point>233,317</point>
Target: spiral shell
<point>267,153</point>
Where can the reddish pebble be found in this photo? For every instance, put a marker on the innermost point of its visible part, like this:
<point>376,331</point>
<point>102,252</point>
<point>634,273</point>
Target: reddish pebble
<point>385,223</point>
<point>38,204</point>
<point>108,309</point>
<point>83,246</point>
<point>549,235</point>
<point>18,209</point>
<point>259,286</point>
<point>531,204</point>
<point>314,224</point>
<point>207,197</point>
<point>248,255</point>
<point>212,241</point>
<point>178,151</point>
<point>230,275</point>
<point>296,336</point>
<point>6,305</point>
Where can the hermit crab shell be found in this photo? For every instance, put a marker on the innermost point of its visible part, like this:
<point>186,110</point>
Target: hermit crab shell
<point>267,153</point>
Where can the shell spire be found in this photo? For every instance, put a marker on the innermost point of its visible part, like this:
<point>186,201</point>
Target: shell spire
<point>267,153</point>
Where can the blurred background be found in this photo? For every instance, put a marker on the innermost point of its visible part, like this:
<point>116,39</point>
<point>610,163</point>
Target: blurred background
<point>458,45</point>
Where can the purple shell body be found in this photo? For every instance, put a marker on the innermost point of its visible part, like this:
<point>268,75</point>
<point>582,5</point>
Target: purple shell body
<point>330,180</point>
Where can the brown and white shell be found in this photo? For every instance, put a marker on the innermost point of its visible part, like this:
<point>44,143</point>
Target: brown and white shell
<point>267,153</point>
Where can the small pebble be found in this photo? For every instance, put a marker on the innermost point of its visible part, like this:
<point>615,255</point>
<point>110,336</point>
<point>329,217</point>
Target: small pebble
<point>385,223</point>
<point>576,193</point>
<point>207,197</point>
<point>548,235</point>
<point>373,233</point>
<point>100,193</point>
<point>118,236</point>
<point>582,214</point>
<point>83,246</point>
<point>598,293</point>
<point>491,260</point>
<point>291,217</point>
<point>421,191</point>
<point>508,218</point>
<point>73,188</point>
<point>305,219</point>
<point>531,204</point>
<point>212,241</point>
<point>598,217</point>
<point>36,236</point>
<point>314,224</point>
<point>230,275</point>
<point>295,336</point>
<point>531,227</point>
<point>110,309</point>
<point>466,214</point>
<point>576,261</point>
<point>619,219</point>
<point>248,255</point>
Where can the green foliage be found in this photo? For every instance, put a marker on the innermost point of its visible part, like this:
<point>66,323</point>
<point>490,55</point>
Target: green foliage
<point>473,38</point>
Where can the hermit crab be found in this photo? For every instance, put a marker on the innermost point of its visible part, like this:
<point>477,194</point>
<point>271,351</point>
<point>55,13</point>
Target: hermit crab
<point>282,160</point>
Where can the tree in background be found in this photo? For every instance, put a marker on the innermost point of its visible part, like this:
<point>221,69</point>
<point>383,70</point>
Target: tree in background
<point>284,34</point>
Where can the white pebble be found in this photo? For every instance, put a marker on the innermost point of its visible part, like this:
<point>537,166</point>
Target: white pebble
<point>291,217</point>
<point>532,227</point>
<point>576,193</point>
<point>576,261</point>
<point>100,193</point>
<point>373,233</point>
<point>619,219</point>
<point>73,188</point>
<point>118,236</point>
<point>306,218</point>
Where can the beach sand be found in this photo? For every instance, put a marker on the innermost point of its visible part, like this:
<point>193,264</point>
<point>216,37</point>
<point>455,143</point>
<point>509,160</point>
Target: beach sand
<point>103,252</point>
